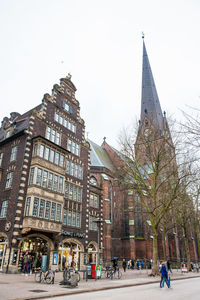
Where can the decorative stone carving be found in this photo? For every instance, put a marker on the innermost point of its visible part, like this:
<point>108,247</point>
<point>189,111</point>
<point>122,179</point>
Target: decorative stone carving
<point>41,225</point>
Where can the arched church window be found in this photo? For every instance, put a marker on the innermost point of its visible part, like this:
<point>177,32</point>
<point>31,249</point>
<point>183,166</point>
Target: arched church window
<point>93,180</point>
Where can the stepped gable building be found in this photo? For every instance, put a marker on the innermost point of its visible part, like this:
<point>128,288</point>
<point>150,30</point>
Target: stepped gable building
<point>44,185</point>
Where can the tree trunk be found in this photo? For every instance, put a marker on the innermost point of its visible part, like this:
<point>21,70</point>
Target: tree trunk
<point>164,245</point>
<point>187,249</point>
<point>155,252</point>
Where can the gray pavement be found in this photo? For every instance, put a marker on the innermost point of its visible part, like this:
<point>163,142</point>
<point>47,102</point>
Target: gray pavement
<point>16,286</point>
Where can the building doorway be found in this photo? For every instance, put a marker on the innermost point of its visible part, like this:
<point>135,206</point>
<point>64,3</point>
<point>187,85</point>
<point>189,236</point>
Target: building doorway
<point>69,254</point>
<point>38,249</point>
<point>92,253</point>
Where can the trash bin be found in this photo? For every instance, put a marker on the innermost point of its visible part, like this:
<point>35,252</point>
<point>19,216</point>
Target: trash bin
<point>93,266</point>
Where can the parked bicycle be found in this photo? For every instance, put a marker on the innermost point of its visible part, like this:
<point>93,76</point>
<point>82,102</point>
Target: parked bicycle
<point>67,274</point>
<point>47,276</point>
<point>111,273</point>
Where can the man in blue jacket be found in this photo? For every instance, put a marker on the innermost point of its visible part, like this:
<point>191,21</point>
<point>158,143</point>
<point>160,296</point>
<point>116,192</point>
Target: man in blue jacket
<point>164,275</point>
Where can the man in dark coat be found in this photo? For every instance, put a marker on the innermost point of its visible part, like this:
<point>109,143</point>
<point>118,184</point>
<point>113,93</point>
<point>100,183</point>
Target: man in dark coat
<point>164,276</point>
<point>124,264</point>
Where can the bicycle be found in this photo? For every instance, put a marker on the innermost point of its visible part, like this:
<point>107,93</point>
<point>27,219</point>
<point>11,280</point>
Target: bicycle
<point>47,276</point>
<point>67,274</point>
<point>117,273</point>
<point>108,272</point>
<point>111,273</point>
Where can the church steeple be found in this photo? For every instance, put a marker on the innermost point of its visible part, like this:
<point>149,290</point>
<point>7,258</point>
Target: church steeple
<point>150,104</point>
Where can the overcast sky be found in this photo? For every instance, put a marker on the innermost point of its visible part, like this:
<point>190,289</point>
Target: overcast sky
<point>99,42</point>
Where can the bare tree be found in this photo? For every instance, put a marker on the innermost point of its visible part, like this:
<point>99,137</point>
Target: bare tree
<point>149,167</point>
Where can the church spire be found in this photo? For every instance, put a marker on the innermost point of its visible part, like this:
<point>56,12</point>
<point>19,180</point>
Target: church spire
<point>150,104</point>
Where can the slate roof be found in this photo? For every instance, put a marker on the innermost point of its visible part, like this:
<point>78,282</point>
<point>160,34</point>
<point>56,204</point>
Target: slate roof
<point>99,157</point>
<point>20,123</point>
<point>150,104</point>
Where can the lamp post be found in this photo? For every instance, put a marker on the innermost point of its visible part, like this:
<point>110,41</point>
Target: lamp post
<point>98,221</point>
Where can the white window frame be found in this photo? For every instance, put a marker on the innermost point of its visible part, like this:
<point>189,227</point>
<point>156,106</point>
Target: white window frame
<point>13,153</point>
<point>9,180</point>
<point>4,209</point>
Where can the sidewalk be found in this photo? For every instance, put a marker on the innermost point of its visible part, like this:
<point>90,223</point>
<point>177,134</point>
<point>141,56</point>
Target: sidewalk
<point>16,286</point>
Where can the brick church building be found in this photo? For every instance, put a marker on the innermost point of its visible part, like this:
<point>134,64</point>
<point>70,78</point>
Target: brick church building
<point>60,198</point>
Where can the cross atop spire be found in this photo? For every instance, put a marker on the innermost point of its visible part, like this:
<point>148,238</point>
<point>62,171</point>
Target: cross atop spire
<point>150,104</point>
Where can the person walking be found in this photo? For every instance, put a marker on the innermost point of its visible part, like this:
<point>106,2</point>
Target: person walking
<point>129,264</point>
<point>138,264</point>
<point>169,267</point>
<point>142,264</point>
<point>124,265</point>
<point>132,264</point>
<point>164,276</point>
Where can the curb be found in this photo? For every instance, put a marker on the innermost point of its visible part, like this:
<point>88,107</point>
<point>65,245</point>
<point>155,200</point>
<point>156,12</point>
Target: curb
<point>75,292</point>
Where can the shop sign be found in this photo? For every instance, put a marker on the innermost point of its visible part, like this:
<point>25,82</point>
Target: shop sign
<point>73,234</point>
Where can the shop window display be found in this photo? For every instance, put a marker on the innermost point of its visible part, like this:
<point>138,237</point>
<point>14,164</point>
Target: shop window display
<point>69,255</point>
<point>35,248</point>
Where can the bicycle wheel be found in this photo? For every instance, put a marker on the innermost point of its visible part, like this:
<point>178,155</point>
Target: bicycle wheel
<point>66,275</point>
<point>79,276</point>
<point>38,277</point>
<point>49,278</point>
<point>118,274</point>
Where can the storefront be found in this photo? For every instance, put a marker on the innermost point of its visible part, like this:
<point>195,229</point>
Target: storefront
<point>70,254</point>
<point>3,245</point>
<point>38,249</point>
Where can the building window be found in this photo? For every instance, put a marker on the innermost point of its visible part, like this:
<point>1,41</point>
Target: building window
<point>42,207</point>
<point>65,122</point>
<point>31,176</point>
<point>49,181</point>
<point>39,176</point>
<point>74,169</point>
<point>53,211</point>
<point>94,200</point>
<point>4,209</point>
<point>47,210</point>
<point>72,218</point>
<point>1,158</point>
<point>9,180</point>
<point>52,155</point>
<point>73,192</point>
<point>60,185</point>
<point>46,153</point>
<point>27,208</point>
<point>53,135</point>
<point>58,212</point>
<point>35,207</point>
<point>93,223</point>
<point>13,154</point>
<point>35,150</point>
<point>73,147</point>
<point>93,181</point>
<point>67,107</point>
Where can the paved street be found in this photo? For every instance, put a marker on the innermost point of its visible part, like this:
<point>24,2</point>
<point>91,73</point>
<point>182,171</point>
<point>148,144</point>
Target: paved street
<point>16,286</point>
<point>181,290</point>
